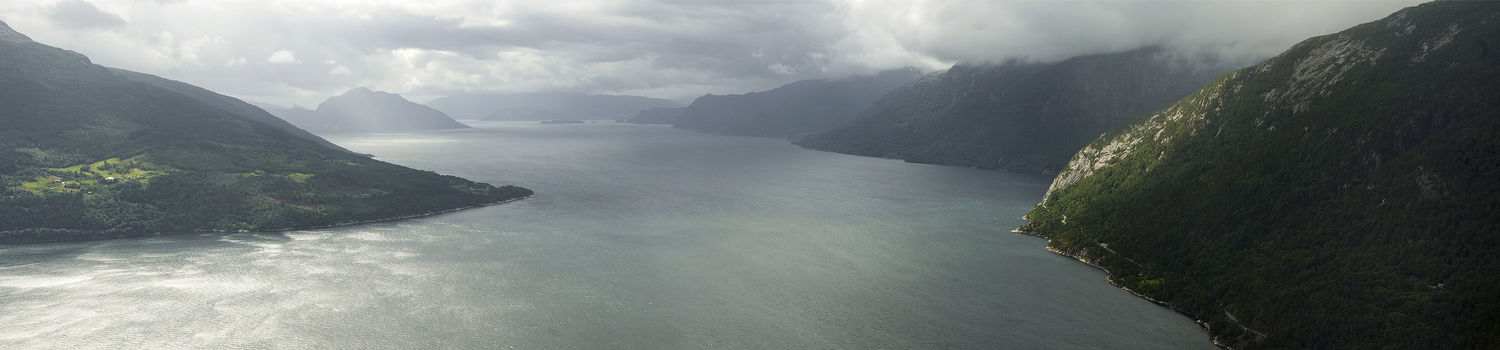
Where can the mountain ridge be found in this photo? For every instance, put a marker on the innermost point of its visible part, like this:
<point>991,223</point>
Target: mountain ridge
<point>1342,194</point>
<point>1018,116</point>
<point>87,152</point>
<point>11,35</point>
<point>794,109</point>
<point>225,103</point>
<point>362,110</point>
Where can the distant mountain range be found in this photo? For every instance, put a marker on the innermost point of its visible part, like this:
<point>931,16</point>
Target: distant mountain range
<point>794,109</point>
<point>1027,117</point>
<point>87,152</point>
<point>362,110</point>
<point>1344,194</point>
<point>546,106</point>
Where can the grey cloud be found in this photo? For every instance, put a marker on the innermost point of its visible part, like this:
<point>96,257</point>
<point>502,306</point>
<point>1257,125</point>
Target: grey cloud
<point>981,30</point>
<point>664,48</point>
<point>730,38</point>
<point>79,14</point>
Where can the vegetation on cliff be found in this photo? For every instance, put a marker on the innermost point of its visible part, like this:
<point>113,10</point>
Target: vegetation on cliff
<point>1344,194</point>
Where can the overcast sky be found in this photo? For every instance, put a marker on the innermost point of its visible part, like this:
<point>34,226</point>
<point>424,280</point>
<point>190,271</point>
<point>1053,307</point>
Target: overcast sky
<point>303,51</point>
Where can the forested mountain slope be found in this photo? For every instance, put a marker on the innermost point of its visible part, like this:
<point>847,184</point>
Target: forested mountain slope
<point>1344,194</point>
<point>1027,117</point>
<point>88,153</point>
<point>225,103</point>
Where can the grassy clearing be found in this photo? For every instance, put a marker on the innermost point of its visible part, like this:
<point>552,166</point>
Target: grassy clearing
<point>83,177</point>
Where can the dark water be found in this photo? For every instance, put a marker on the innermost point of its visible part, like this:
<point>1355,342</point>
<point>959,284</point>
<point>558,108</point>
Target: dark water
<point>640,237</point>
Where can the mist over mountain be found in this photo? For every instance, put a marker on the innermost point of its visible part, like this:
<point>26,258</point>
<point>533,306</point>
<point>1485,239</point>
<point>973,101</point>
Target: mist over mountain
<point>658,116</point>
<point>677,50</point>
<point>546,106</point>
<point>362,110</point>
<point>88,152</point>
<point>794,109</point>
<point>1345,194</point>
<point>1019,116</point>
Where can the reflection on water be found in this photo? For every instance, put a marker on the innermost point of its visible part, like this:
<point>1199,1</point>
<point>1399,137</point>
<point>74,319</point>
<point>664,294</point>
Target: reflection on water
<point>639,237</point>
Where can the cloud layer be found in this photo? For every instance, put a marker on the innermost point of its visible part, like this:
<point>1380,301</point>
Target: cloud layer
<point>296,51</point>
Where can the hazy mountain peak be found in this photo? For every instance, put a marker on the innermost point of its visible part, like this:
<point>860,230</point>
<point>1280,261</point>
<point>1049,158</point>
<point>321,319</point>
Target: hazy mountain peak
<point>11,35</point>
<point>364,110</point>
<point>363,91</point>
<point>365,95</point>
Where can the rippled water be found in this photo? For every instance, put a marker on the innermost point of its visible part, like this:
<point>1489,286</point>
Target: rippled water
<point>640,237</point>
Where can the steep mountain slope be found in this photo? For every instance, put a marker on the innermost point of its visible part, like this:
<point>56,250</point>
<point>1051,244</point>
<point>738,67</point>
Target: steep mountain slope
<point>87,153</point>
<point>362,110</point>
<point>546,106</point>
<point>224,103</point>
<point>794,109</point>
<point>1344,194</point>
<point>1026,117</point>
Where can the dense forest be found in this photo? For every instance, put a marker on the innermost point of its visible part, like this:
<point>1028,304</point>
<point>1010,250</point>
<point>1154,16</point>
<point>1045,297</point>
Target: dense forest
<point>87,152</point>
<point>1344,194</point>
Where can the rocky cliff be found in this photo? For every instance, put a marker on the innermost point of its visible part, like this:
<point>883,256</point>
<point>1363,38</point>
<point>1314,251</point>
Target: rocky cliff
<point>1344,194</point>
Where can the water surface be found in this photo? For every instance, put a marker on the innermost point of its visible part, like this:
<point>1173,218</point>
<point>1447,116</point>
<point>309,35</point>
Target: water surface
<point>639,237</point>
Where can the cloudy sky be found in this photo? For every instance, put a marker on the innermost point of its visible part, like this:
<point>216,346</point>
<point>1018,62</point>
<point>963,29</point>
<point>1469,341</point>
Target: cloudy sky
<point>302,51</point>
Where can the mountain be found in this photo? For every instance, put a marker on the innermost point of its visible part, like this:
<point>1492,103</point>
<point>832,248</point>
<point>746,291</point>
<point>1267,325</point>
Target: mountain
<point>658,116</point>
<point>546,106</point>
<point>362,110</point>
<point>794,109</point>
<point>224,103</point>
<point>87,152</point>
<point>1344,194</point>
<point>1027,117</point>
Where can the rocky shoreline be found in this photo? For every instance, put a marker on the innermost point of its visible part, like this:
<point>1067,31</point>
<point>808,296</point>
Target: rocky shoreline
<point>1109,277</point>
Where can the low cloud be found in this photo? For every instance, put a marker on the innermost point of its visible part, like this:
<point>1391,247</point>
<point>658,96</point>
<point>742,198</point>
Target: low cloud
<point>282,57</point>
<point>79,14</point>
<point>661,48</point>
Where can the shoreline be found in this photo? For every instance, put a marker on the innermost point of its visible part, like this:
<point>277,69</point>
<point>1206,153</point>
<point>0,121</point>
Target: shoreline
<point>1109,278</point>
<point>340,224</point>
<point>370,221</point>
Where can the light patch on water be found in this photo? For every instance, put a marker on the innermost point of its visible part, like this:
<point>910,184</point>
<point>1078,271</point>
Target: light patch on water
<point>639,237</point>
<point>370,236</point>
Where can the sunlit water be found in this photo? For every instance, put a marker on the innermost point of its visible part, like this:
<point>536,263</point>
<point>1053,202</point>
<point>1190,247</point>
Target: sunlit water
<point>639,237</point>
